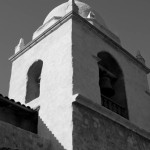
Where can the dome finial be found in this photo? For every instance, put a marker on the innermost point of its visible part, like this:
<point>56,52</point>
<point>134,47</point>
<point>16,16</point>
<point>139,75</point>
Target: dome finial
<point>72,6</point>
<point>73,1</point>
<point>20,45</point>
<point>91,15</point>
<point>139,57</point>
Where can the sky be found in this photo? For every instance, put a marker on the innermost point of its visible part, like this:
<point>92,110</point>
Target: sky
<point>129,19</point>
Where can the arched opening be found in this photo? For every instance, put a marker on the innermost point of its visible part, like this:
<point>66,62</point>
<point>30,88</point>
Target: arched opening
<point>111,82</point>
<point>33,81</point>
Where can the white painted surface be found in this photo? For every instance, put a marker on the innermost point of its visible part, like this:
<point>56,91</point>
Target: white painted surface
<point>68,69</point>
<point>56,97</point>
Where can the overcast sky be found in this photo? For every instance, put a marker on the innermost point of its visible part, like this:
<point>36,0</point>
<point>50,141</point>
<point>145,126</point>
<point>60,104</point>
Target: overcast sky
<point>130,19</point>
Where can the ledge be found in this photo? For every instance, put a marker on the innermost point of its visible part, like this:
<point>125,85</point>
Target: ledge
<point>111,115</point>
<point>113,43</point>
<point>41,36</point>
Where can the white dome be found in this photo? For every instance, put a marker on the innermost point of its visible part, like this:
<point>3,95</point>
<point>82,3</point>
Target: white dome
<point>83,11</point>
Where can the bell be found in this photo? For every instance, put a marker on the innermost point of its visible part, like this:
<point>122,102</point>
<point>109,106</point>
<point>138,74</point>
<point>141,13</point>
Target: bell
<point>106,86</point>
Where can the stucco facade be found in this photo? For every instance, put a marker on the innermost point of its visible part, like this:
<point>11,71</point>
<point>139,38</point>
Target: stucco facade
<point>56,82</point>
<point>68,47</point>
<point>87,42</point>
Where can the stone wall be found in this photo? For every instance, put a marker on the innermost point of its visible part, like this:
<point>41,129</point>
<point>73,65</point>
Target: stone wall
<point>15,138</point>
<point>94,131</point>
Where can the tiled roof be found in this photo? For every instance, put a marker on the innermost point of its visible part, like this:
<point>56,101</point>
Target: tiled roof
<point>5,101</point>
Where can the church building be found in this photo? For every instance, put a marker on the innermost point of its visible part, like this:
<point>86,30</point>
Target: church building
<point>76,88</point>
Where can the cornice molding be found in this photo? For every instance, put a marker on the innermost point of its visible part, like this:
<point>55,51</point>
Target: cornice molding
<point>93,28</point>
<point>111,42</point>
<point>41,36</point>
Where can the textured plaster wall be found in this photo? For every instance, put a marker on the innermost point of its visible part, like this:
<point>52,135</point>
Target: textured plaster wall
<point>16,138</point>
<point>86,72</point>
<point>87,43</point>
<point>55,114</point>
<point>69,68</point>
<point>92,130</point>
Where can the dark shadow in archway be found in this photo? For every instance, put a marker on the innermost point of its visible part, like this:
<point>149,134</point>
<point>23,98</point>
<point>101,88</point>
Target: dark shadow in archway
<point>33,83</point>
<point>111,82</point>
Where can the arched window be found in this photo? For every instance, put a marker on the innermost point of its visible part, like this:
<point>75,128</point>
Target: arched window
<point>112,86</point>
<point>33,81</point>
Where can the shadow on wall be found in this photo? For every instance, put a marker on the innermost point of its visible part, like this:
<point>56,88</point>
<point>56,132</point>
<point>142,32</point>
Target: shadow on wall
<point>43,131</point>
<point>112,86</point>
<point>33,81</point>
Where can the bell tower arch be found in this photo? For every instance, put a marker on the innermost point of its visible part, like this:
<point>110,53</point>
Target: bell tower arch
<point>112,86</point>
<point>33,81</point>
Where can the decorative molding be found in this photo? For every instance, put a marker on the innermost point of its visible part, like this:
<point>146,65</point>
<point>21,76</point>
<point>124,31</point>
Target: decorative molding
<point>20,45</point>
<point>111,42</point>
<point>41,36</point>
<point>93,28</point>
<point>53,18</point>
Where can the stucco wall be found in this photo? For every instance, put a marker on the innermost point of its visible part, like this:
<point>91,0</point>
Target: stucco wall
<point>16,138</point>
<point>86,43</point>
<point>55,114</point>
<point>92,130</point>
<point>69,68</point>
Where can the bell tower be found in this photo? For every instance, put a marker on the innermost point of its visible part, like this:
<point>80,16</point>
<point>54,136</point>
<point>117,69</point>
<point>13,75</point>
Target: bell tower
<point>75,71</point>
